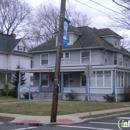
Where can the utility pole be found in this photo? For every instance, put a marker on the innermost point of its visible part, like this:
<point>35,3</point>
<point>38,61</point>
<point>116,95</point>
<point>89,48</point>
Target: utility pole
<point>58,63</point>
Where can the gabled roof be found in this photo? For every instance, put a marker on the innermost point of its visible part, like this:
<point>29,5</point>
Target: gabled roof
<point>8,43</point>
<point>89,38</point>
<point>73,30</point>
<point>106,32</point>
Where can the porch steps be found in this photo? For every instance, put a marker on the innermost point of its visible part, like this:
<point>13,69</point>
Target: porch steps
<point>44,96</point>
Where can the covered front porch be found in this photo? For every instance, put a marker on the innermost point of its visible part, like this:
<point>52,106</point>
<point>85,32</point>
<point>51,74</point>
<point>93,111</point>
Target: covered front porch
<point>5,79</point>
<point>105,80</point>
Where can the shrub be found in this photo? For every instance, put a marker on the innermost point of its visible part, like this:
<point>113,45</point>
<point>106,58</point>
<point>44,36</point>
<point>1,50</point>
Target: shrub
<point>14,93</point>
<point>26,95</point>
<point>71,95</point>
<point>109,98</point>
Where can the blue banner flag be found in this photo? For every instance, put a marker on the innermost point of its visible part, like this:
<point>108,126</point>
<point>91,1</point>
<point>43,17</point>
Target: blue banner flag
<point>65,41</point>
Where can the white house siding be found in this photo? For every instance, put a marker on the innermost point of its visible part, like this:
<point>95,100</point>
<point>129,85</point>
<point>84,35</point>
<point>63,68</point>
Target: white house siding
<point>4,61</point>
<point>110,58</point>
<point>101,90</point>
<point>21,44</point>
<point>24,63</point>
<point>110,39</point>
<point>75,58</point>
<point>96,57</point>
<point>119,90</point>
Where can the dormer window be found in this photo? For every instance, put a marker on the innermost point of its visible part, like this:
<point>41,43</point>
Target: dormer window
<point>20,48</point>
<point>117,43</point>
<point>68,38</point>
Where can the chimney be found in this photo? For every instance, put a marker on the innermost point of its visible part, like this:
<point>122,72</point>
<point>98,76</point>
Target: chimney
<point>13,35</point>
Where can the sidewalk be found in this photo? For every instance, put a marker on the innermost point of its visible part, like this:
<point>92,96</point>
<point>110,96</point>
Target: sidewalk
<point>71,118</point>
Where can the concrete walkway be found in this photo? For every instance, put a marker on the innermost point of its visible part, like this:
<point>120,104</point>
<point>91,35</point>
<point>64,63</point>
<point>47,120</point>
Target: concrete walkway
<point>71,118</point>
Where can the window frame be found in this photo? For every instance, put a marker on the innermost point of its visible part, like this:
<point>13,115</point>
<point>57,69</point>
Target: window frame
<point>23,48</point>
<point>47,80</point>
<point>64,55</point>
<point>114,58</point>
<point>89,56</point>
<point>81,74</point>
<point>41,58</point>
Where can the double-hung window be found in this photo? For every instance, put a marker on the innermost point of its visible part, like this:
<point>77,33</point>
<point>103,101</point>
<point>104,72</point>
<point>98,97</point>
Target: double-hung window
<point>115,58</point>
<point>65,55</point>
<point>85,57</point>
<point>83,80</point>
<point>45,81</point>
<point>44,59</point>
<point>99,78</point>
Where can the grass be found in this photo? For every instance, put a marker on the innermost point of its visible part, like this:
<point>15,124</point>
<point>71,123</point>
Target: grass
<point>5,99</point>
<point>43,108</point>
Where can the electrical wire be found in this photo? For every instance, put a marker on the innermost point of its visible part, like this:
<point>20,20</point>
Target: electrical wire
<point>91,7</point>
<point>105,7</point>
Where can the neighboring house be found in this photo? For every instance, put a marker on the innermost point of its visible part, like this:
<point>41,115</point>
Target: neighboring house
<point>100,48</point>
<point>12,52</point>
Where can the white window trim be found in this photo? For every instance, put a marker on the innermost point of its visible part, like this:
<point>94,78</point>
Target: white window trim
<point>41,59</point>
<point>64,55</point>
<point>117,59</point>
<point>120,87</point>
<point>81,80</point>
<point>48,80</point>
<point>103,80</point>
<point>89,57</point>
<point>23,48</point>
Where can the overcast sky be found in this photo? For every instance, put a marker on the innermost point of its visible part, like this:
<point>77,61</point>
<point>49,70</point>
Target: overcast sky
<point>99,19</point>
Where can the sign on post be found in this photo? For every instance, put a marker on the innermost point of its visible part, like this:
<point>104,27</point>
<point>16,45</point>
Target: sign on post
<point>24,89</point>
<point>88,71</point>
<point>88,74</point>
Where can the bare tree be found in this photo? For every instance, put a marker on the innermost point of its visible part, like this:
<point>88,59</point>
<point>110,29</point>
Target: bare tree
<point>46,22</point>
<point>13,15</point>
<point>121,16</point>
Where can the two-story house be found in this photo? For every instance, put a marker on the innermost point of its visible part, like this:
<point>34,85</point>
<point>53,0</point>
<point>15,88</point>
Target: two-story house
<point>100,48</point>
<point>13,52</point>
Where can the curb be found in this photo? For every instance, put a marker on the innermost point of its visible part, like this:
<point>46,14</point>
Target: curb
<point>104,117</point>
<point>30,124</point>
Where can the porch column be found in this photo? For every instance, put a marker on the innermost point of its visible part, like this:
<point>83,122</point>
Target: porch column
<point>114,81</point>
<point>6,78</point>
<point>87,80</point>
<point>6,83</point>
<point>62,85</point>
<point>62,82</point>
<point>40,81</point>
<point>19,84</point>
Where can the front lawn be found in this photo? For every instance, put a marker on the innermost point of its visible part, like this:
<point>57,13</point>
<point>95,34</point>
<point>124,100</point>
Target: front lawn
<point>43,108</point>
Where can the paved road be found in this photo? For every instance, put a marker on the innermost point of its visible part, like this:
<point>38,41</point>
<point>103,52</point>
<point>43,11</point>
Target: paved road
<point>98,124</point>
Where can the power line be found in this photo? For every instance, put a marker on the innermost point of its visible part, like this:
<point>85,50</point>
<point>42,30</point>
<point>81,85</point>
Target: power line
<point>97,9</point>
<point>104,7</point>
<point>90,7</point>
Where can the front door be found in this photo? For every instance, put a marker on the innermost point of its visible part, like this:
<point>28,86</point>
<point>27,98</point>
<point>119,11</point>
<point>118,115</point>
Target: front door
<point>66,80</point>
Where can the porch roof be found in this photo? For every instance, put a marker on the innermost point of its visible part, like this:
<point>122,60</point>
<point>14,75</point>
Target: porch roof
<point>6,71</point>
<point>73,68</point>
